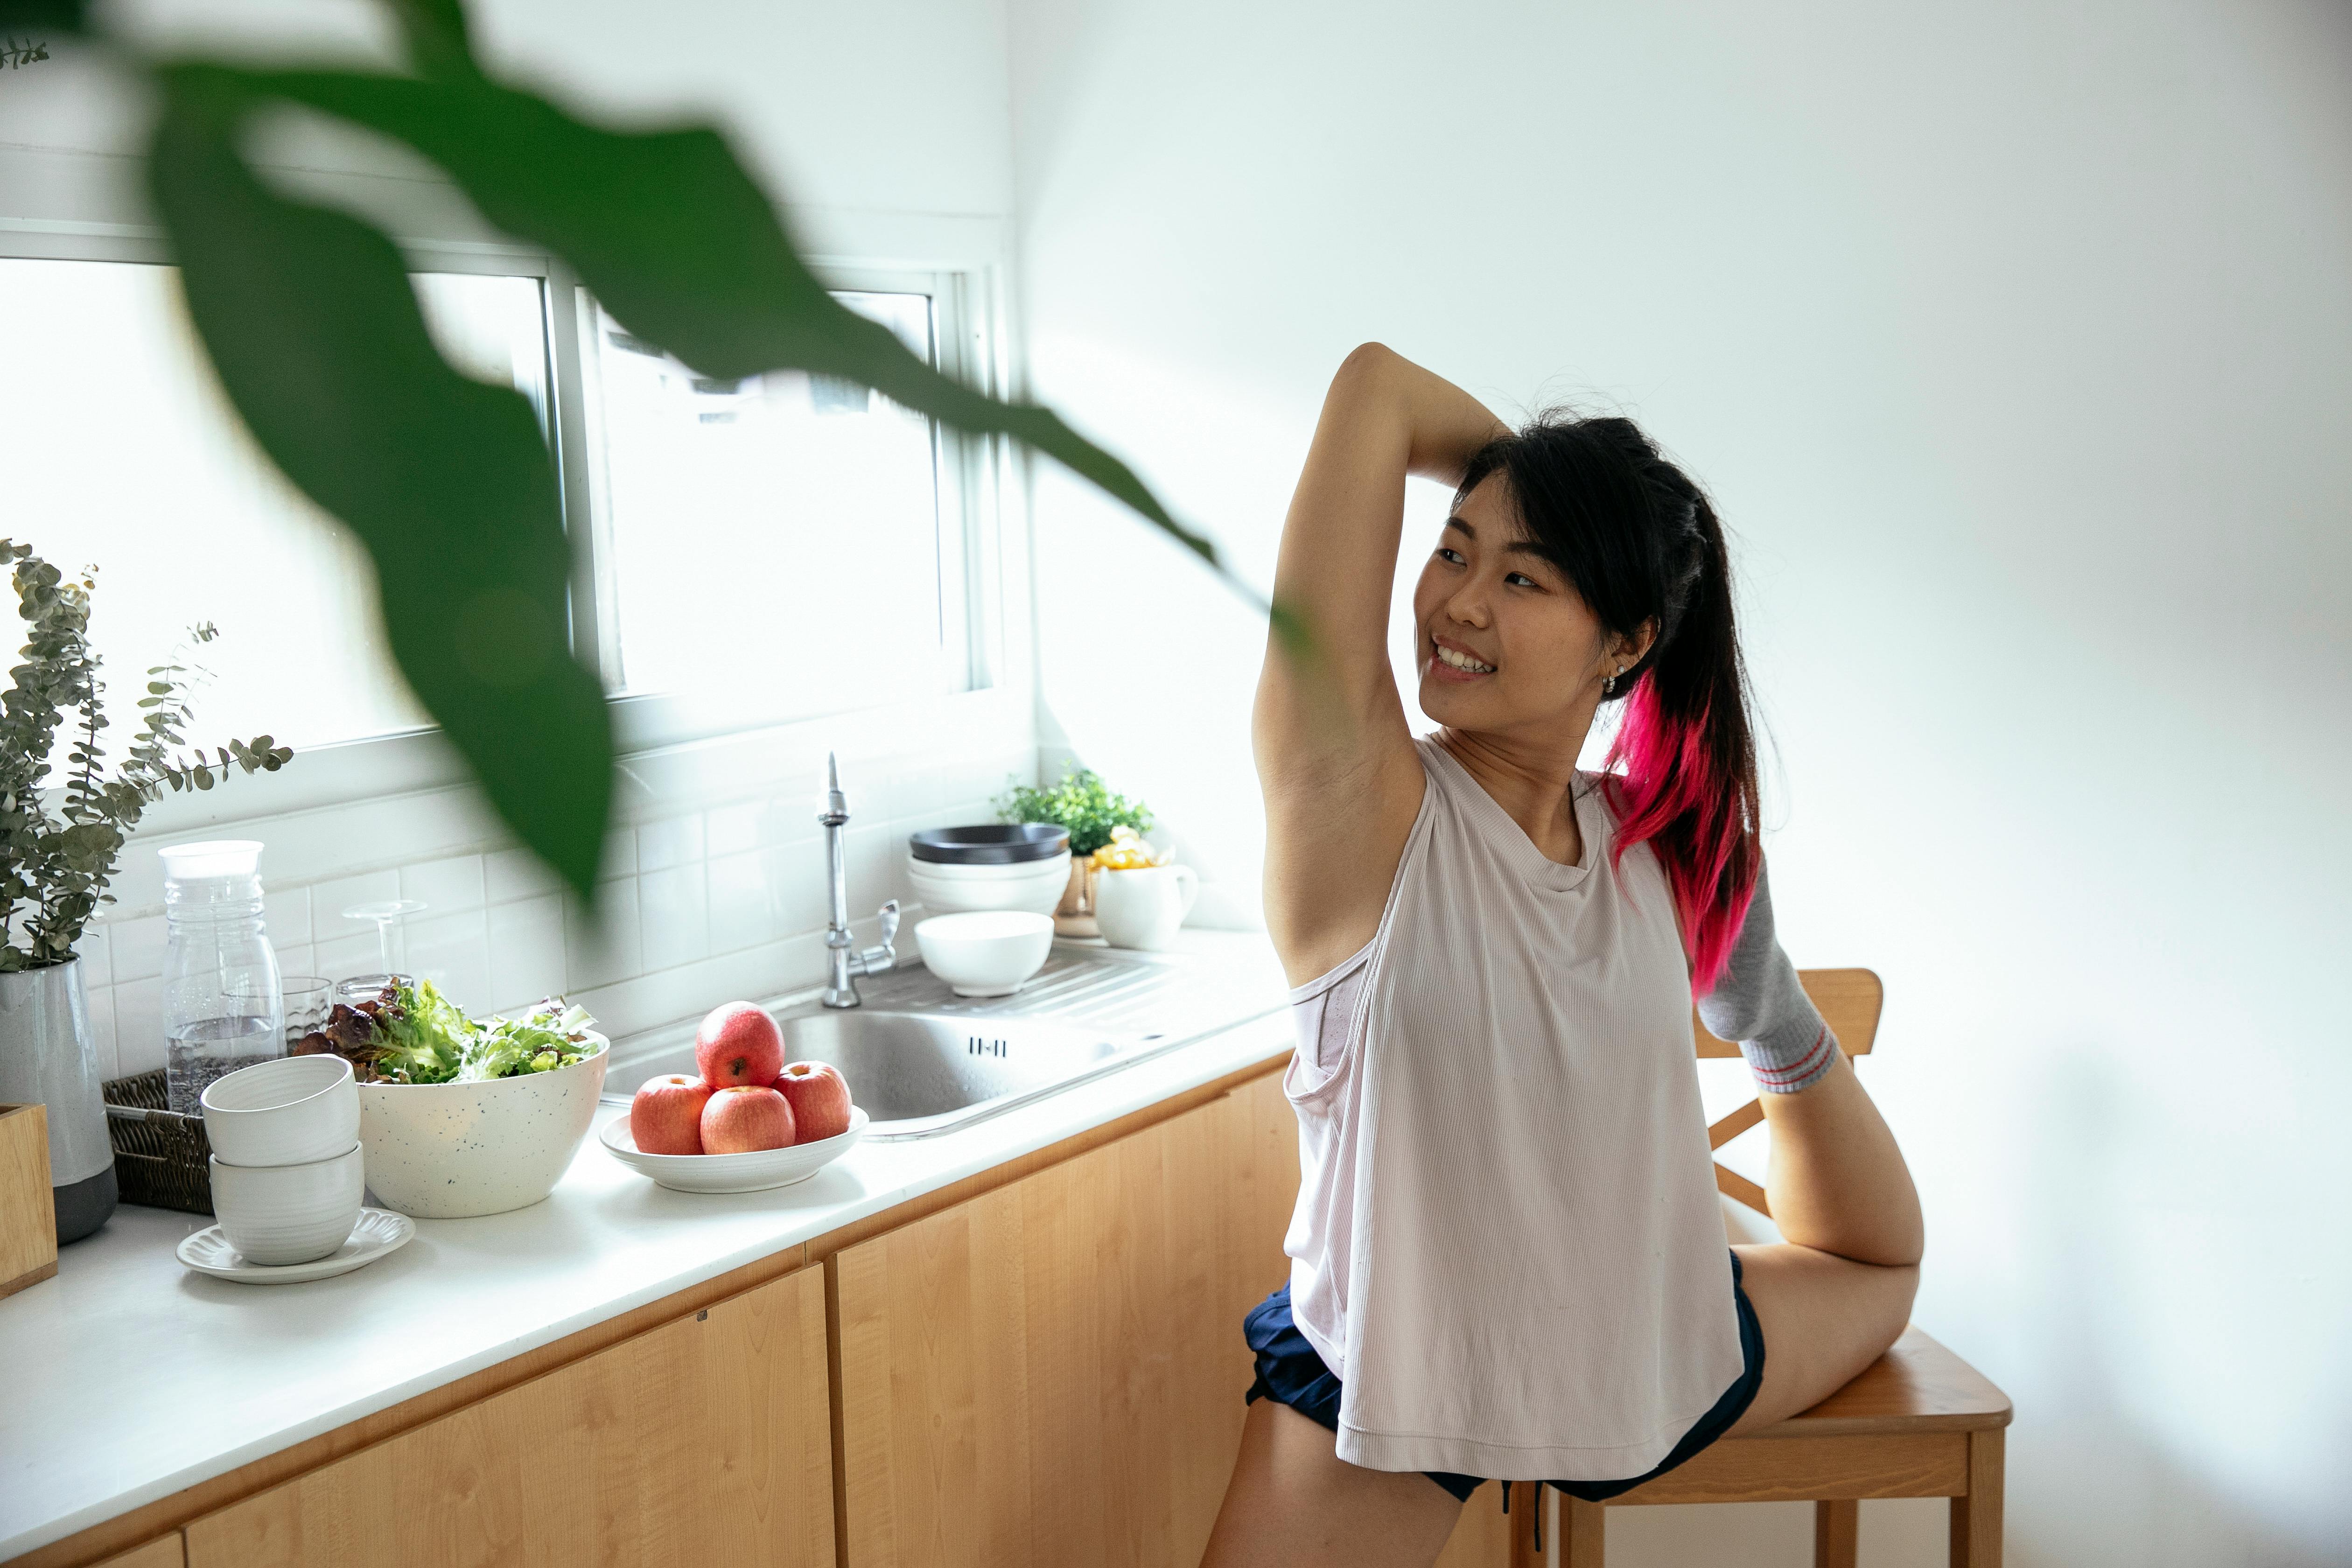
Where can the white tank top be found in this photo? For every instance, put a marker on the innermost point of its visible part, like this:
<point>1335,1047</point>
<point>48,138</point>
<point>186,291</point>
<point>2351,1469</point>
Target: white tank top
<point>1507,1245</point>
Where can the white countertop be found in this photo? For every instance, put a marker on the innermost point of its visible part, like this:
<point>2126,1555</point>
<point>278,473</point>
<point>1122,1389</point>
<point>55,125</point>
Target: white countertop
<point>129,1377</point>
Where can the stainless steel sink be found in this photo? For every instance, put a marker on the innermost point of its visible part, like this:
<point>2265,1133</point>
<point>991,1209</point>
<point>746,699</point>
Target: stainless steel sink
<point>922,1061</point>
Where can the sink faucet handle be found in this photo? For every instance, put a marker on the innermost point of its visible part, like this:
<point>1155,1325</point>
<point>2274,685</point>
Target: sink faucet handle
<point>890,924</point>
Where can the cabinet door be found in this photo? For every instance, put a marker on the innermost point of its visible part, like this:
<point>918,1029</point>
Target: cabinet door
<point>1054,1372</point>
<point>705,1441</point>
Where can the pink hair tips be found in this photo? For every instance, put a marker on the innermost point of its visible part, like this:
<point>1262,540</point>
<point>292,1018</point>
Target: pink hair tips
<point>1673,789</point>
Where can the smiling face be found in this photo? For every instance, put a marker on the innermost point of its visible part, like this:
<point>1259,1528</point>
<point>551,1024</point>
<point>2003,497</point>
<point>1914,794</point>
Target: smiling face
<point>1506,645</point>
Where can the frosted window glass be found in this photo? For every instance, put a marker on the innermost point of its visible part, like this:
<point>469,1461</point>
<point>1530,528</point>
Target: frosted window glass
<point>774,542</point>
<point>118,450</point>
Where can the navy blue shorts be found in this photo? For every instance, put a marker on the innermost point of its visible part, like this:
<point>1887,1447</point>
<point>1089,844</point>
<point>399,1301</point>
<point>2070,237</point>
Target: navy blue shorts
<point>1291,1373</point>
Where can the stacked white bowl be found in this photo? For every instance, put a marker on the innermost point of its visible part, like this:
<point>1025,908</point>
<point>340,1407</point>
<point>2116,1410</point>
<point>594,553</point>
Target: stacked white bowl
<point>996,866</point>
<point>285,1168</point>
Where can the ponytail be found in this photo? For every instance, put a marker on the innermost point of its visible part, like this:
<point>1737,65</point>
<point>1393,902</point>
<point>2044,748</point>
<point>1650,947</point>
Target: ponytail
<point>1686,763</point>
<point>1643,547</point>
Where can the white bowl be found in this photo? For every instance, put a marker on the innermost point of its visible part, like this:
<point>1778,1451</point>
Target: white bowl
<point>289,1111</point>
<point>752,1172</point>
<point>277,1215</point>
<point>986,953</point>
<point>1036,886</point>
<point>447,1151</point>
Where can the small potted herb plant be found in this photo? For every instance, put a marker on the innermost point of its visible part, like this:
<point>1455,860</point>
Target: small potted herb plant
<point>60,840</point>
<point>1094,815</point>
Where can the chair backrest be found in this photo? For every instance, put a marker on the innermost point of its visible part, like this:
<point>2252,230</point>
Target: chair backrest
<point>1849,1000</point>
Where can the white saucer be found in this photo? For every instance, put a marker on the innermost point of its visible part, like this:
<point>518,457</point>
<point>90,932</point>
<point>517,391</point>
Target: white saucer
<point>378,1232</point>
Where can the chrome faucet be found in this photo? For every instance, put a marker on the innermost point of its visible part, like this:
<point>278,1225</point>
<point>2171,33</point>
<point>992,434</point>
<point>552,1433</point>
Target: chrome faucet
<point>846,963</point>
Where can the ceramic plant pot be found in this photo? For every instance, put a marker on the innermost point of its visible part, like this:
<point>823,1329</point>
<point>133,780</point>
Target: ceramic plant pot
<point>46,1058</point>
<point>1075,916</point>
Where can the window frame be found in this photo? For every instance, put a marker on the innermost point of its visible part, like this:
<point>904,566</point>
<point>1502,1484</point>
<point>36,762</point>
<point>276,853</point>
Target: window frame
<point>666,739</point>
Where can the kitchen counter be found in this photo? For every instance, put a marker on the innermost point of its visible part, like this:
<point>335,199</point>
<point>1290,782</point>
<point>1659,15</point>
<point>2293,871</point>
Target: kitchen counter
<point>130,1377</point>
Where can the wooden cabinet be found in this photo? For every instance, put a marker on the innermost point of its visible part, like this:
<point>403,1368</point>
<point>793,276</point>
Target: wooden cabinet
<point>161,1553</point>
<point>704,1441</point>
<point>1052,1372</point>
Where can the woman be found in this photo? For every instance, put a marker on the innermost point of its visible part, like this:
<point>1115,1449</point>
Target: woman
<point>1507,1257</point>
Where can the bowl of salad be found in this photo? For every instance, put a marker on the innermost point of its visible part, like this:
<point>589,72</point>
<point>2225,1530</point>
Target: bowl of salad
<point>461,1116</point>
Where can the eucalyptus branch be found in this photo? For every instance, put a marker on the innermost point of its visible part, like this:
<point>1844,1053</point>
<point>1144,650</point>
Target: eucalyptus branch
<point>60,865</point>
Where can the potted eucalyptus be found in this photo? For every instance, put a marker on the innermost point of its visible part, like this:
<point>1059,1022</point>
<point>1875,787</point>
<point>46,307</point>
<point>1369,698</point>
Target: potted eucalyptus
<point>60,840</point>
<point>1094,814</point>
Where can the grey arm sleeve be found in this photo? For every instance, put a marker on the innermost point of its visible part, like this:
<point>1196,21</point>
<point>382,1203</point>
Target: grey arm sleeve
<point>1758,1000</point>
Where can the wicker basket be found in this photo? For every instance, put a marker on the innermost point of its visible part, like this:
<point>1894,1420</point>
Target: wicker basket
<point>161,1158</point>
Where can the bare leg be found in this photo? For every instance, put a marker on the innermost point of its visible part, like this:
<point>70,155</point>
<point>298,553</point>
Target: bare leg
<point>1836,1293</point>
<point>1294,1502</point>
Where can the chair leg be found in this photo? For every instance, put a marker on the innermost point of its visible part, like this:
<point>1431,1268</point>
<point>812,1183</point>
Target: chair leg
<point>1976,1518</point>
<point>1526,1497</point>
<point>1582,1541</point>
<point>1837,1526</point>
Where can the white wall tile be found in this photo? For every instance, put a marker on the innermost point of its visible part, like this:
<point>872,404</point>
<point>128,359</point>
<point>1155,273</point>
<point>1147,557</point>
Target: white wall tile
<point>298,959</point>
<point>95,951</point>
<point>444,887</point>
<point>526,952</point>
<point>345,956</point>
<point>330,899</point>
<point>733,829</point>
<point>286,916</point>
<point>620,854</point>
<point>674,914</point>
<point>605,946</point>
<point>453,952</point>
<point>138,1026</point>
<point>870,868</point>
<point>672,841</point>
<point>520,874</point>
<point>742,901</point>
<point>138,948</point>
<point>797,873</point>
<point>101,1032</point>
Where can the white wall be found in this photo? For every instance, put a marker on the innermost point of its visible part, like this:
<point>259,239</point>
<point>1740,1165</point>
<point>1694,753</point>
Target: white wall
<point>2012,341</point>
<point>885,127</point>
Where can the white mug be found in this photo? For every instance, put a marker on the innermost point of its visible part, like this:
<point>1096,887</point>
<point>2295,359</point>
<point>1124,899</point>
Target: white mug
<point>1142,908</point>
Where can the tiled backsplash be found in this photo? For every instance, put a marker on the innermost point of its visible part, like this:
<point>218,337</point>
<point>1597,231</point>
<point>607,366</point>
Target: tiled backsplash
<point>693,906</point>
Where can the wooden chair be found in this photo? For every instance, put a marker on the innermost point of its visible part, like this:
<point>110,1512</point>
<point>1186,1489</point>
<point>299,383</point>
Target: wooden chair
<point>1920,1422</point>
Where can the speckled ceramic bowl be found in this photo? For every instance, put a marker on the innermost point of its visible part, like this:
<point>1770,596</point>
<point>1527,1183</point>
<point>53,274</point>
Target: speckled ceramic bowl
<point>447,1151</point>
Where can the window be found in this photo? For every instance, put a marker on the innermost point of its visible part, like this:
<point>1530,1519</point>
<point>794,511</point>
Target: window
<point>757,551</point>
<point>775,547</point>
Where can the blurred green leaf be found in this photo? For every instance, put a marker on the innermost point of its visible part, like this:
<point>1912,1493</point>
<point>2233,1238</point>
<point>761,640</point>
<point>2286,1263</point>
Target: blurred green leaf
<point>314,329</point>
<point>675,238</point>
<point>44,15</point>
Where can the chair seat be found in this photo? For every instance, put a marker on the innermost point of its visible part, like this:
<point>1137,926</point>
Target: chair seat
<point>1917,1386</point>
<point>1903,1428</point>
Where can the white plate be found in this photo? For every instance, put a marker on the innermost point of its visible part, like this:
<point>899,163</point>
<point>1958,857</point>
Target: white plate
<point>378,1232</point>
<point>752,1172</point>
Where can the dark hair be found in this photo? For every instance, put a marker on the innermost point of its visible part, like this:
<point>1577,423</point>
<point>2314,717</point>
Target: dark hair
<point>1640,543</point>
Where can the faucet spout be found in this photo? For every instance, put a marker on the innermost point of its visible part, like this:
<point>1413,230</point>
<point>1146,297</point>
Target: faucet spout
<point>844,962</point>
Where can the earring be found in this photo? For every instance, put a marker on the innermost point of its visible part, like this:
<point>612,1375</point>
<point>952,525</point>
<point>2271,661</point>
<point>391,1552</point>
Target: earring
<point>1609,682</point>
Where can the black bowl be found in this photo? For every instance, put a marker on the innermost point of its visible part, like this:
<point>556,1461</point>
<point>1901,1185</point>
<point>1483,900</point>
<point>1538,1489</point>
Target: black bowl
<point>990,844</point>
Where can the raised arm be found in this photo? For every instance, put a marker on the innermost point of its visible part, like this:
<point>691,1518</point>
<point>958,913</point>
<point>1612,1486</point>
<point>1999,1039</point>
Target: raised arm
<point>1334,756</point>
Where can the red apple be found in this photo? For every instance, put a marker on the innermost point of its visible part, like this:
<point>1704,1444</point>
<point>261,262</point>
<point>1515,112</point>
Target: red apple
<point>819,1097</point>
<point>739,1044</point>
<point>740,1121</point>
<point>665,1117</point>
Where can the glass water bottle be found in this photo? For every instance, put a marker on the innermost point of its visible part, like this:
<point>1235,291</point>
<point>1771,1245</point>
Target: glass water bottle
<point>222,1009</point>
